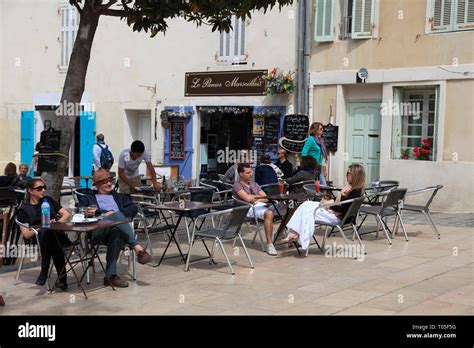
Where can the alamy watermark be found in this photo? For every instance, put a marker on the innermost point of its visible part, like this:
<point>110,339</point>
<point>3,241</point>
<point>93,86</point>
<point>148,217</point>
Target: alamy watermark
<point>23,250</point>
<point>401,109</point>
<point>354,251</point>
<point>74,109</point>
<point>241,156</point>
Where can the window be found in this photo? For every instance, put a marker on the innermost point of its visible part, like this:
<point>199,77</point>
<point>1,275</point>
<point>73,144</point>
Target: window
<point>358,19</point>
<point>414,118</point>
<point>450,15</point>
<point>233,45</point>
<point>69,28</point>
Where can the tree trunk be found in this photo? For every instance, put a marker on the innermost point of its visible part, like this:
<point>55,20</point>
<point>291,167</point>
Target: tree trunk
<point>72,93</point>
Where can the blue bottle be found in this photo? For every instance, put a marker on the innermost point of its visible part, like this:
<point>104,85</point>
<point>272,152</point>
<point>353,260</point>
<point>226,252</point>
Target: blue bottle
<point>45,214</point>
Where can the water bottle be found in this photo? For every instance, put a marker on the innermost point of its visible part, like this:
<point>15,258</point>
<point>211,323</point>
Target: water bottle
<point>45,214</point>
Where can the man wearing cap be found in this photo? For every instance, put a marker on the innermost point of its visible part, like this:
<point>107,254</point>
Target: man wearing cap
<point>117,207</point>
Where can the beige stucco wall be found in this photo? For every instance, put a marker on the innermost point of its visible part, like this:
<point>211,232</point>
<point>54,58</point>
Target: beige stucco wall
<point>459,124</point>
<point>121,60</point>
<point>400,43</point>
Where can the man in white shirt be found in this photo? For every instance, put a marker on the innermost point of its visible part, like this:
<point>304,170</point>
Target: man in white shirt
<point>97,151</point>
<point>129,161</point>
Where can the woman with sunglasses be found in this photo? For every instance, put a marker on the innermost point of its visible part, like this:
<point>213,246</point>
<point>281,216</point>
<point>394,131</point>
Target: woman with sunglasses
<point>30,213</point>
<point>301,224</point>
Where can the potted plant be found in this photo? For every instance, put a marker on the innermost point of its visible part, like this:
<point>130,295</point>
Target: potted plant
<point>424,152</point>
<point>405,153</point>
<point>278,82</point>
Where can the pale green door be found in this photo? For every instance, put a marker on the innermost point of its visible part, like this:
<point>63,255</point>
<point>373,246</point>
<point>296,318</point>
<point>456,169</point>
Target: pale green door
<point>363,137</point>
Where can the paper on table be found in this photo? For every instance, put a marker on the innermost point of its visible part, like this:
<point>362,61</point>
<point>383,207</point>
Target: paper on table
<point>78,218</point>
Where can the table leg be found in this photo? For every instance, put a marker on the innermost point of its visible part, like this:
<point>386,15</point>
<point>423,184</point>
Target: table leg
<point>173,232</point>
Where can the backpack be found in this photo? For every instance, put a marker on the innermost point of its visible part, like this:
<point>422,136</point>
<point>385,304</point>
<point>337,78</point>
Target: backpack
<point>106,157</point>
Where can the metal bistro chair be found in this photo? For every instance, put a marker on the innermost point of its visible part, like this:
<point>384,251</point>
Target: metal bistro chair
<point>349,219</point>
<point>390,206</point>
<point>300,186</point>
<point>424,209</point>
<point>228,232</point>
<point>23,240</point>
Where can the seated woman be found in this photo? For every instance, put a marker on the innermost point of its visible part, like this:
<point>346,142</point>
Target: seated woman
<point>117,207</point>
<point>301,224</point>
<point>10,178</point>
<point>309,170</point>
<point>30,213</point>
<point>265,172</point>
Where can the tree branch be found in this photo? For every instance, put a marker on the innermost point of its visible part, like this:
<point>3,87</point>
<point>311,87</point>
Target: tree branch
<point>113,13</point>
<point>76,5</point>
<point>107,5</point>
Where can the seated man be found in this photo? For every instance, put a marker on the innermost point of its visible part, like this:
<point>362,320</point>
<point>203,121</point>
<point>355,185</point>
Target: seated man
<point>265,173</point>
<point>251,192</point>
<point>117,207</point>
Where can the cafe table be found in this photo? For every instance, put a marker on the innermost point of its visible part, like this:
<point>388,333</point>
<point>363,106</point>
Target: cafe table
<point>87,257</point>
<point>180,208</point>
<point>292,201</point>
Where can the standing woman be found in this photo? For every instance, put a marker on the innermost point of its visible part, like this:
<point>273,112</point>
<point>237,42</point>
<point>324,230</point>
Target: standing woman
<point>313,148</point>
<point>30,213</point>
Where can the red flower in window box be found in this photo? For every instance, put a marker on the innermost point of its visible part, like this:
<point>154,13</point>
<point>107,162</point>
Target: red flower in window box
<point>424,152</point>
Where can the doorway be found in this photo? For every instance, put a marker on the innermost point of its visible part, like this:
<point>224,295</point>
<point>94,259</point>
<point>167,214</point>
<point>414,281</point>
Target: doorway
<point>363,137</point>
<point>223,128</point>
<point>138,127</point>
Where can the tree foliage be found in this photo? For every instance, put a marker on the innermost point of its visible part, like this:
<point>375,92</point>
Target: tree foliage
<point>152,15</point>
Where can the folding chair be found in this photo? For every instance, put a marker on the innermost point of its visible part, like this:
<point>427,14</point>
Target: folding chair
<point>424,209</point>
<point>230,231</point>
<point>390,206</point>
<point>299,187</point>
<point>349,219</point>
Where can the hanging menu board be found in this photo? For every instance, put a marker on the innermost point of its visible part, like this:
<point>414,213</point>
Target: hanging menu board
<point>330,135</point>
<point>291,146</point>
<point>177,139</point>
<point>50,141</point>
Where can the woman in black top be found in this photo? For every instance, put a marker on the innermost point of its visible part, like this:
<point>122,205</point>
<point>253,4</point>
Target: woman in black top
<point>30,213</point>
<point>301,224</point>
<point>309,170</point>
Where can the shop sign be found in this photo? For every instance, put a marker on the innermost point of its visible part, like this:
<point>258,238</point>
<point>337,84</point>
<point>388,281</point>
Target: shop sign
<point>225,83</point>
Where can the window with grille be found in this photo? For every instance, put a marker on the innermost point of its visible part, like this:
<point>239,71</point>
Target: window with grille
<point>414,118</point>
<point>69,28</point>
<point>233,45</point>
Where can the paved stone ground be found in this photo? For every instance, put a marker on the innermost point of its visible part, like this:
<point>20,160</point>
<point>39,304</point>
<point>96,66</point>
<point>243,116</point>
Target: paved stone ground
<point>424,276</point>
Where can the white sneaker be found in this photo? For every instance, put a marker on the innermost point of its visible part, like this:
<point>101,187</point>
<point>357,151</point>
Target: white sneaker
<point>271,250</point>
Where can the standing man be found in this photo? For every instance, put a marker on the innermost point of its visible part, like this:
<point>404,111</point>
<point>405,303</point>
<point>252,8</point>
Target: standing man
<point>129,161</point>
<point>282,162</point>
<point>101,161</point>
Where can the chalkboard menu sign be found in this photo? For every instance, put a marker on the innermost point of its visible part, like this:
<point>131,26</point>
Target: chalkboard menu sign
<point>49,144</point>
<point>296,127</point>
<point>258,146</point>
<point>177,139</point>
<point>295,132</point>
<point>291,146</point>
<point>272,127</point>
<point>330,135</point>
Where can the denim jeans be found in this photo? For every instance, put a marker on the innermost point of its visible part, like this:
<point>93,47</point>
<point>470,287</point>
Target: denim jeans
<point>115,238</point>
<point>322,179</point>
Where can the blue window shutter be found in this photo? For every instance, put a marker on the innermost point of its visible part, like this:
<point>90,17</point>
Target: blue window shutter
<point>464,15</point>
<point>324,20</point>
<point>87,133</point>
<point>363,18</point>
<point>441,15</point>
<point>27,136</point>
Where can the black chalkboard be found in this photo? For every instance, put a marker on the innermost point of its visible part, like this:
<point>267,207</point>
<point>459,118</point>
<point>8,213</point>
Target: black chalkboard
<point>177,139</point>
<point>291,146</point>
<point>50,141</point>
<point>330,136</point>
<point>272,128</point>
<point>296,127</point>
<point>258,147</point>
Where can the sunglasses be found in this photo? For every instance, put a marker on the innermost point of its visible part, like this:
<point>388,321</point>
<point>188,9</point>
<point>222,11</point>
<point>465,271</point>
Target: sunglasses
<point>39,188</point>
<point>348,173</point>
<point>105,181</point>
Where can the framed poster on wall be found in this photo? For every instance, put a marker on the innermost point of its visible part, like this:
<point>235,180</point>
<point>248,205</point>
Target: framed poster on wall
<point>177,139</point>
